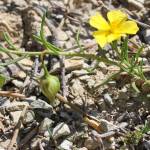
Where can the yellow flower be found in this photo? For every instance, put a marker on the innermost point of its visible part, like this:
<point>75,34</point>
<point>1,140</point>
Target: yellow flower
<point>117,26</point>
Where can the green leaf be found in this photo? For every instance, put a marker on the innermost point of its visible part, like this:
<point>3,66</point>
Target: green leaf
<point>2,80</point>
<point>48,45</point>
<point>78,41</point>
<point>9,41</point>
<point>13,61</point>
<point>135,87</point>
<point>124,49</point>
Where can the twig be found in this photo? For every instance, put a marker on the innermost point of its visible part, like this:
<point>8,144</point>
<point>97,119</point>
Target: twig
<point>63,79</point>
<point>104,135</point>
<point>17,128</point>
<point>28,137</point>
<point>90,120</point>
<point>12,94</point>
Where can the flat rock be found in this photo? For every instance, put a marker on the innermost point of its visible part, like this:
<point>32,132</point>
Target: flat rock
<point>14,106</point>
<point>39,104</point>
<point>29,117</point>
<point>91,144</point>
<point>146,35</point>
<point>15,116</point>
<point>45,124</point>
<point>66,145</point>
<point>107,126</point>
<point>60,130</point>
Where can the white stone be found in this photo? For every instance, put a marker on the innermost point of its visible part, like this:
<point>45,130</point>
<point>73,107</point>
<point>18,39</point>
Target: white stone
<point>45,124</point>
<point>66,145</point>
<point>15,116</point>
<point>60,130</point>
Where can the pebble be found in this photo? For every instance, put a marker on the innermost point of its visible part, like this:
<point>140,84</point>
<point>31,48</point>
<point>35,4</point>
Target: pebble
<point>15,116</point>
<point>18,83</point>
<point>45,124</point>
<point>29,117</point>
<point>91,83</point>
<point>79,72</point>
<point>66,145</point>
<point>108,99</point>
<point>39,104</point>
<point>14,106</point>
<point>61,35</point>
<point>146,35</point>
<point>20,4</point>
<point>60,130</point>
<point>91,144</point>
<point>107,126</point>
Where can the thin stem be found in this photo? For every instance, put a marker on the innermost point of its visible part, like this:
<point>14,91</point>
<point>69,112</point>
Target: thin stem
<point>114,46</point>
<point>105,81</point>
<point>22,53</point>
<point>71,54</point>
<point>90,56</point>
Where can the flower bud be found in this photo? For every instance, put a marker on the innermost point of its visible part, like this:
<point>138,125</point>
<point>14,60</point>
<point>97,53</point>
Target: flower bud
<point>49,85</point>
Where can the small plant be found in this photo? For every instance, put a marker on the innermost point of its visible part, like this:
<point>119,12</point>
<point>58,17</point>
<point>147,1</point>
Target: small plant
<point>134,137</point>
<point>108,33</point>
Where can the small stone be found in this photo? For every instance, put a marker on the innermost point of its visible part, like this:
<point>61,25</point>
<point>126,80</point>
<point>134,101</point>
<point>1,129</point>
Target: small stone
<point>60,130</point>
<point>109,143</point>
<point>15,116</point>
<point>70,65</point>
<point>84,78</point>
<point>16,106</point>
<point>45,124</point>
<point>4,144</point>
<point>39,104</point>
<point>91,83</point>
<point>41,107</point>
<point>146,35</point>
<point>46,134</point>
<point>66,145</point>
<point>29,117</point>
<point>77,88</point>
<point>61,35</point>
<point>108,99</point>
<point>91,144</point>
<point>35,143</point>
<point>79,72</point>
<point>18,83</point>
<point>107,126</point>
<point>20,4</point>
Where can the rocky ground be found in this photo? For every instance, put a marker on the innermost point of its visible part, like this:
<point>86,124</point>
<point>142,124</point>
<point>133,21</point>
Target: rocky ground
<point>121,112</point>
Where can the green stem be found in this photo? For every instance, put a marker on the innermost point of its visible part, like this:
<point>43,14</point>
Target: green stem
<point>115,47</point>
<point>105,81</point>
<point>22,53</point>
<point>90,56</point>
<point>46,73</point>
<point>71,54</point>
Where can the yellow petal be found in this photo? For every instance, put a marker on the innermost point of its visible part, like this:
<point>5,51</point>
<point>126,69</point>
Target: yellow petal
<point>127,27</point>
<point>99,22</point>
<point>112,37</point>
<point>100,38</point>
<point>115,17</point>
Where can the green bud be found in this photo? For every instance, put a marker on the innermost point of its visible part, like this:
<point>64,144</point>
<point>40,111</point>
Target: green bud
<point>49,85</point>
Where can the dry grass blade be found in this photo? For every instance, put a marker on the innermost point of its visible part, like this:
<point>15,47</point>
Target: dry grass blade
<point>17,128</point>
